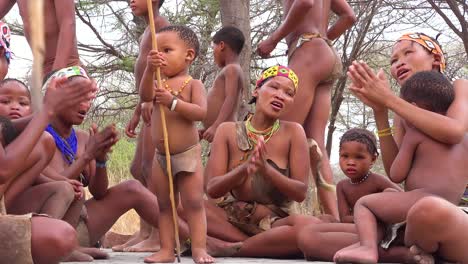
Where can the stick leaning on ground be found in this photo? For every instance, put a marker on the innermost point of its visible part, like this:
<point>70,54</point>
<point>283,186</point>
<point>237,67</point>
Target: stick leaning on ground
<point>166,141</point>
<point>36,14</point>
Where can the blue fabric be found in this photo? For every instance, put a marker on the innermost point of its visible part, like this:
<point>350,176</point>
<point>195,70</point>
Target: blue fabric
<point>67,146</point>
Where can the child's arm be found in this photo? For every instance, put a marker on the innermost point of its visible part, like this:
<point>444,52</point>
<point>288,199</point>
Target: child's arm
<point>5,7</point>
<point>346,19</point>
<point>154,60</point>
<point>66,45</point>
<point>404,159</point>
<point>194,110</point>
<point>343,207</point>
<point>231,88</point>
<point>219,181</point>
<point>296,14</point>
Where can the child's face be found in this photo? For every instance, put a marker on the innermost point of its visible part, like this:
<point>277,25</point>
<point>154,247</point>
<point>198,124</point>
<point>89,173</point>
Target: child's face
<point>77,114</point>
<point>409,58</point>
<point>355,159</point>
<point>3,64</point>
<point>178,56</point>
<point>274,96</point>
<point>217,53</point>
<point>14,100</point>
<point>139,7</point>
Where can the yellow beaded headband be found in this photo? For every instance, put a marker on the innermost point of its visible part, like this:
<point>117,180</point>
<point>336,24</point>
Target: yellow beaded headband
<point>278,70</point>
<point>428,43</point>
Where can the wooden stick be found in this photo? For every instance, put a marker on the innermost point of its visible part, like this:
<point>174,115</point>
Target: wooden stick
<point>36,14</point>
<point>166,141</point>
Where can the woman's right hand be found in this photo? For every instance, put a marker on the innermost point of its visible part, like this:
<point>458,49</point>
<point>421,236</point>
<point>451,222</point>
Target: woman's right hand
<point>373,88</point>
<point>257,161</point>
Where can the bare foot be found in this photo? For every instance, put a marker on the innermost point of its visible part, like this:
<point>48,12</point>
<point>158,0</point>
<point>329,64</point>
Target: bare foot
<point>77,256</point>
<point>96,253</point>
<point>135,239</point>
<point>163,256</point>
<point>219,248</point>
<point>149,245</point>
<point>353,254</point>
<point>421,257</point>
<point>199,255</point>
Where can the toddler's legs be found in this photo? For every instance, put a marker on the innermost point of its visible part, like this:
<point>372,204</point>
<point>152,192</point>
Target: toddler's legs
<point>191,193</point>
<point>166,225</point>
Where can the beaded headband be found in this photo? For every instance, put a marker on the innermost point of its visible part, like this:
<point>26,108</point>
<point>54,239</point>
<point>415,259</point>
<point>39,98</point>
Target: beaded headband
<point>428,43</point>
<point>67,72</point>
<point>278,70</point>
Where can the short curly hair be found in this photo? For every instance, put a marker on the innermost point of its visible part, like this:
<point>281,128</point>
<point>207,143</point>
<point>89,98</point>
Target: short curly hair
<point>186,34</point>
<point>429,89</point>
<point>362,136</point>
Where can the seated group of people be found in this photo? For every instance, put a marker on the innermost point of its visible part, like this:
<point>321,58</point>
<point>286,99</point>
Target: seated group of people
<point>255,170</point>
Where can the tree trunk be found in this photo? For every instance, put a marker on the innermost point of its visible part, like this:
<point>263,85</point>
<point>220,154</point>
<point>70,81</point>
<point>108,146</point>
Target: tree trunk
<point>236,13</point>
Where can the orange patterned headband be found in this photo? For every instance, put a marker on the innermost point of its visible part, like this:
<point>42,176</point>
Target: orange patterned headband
<point>428,43</point>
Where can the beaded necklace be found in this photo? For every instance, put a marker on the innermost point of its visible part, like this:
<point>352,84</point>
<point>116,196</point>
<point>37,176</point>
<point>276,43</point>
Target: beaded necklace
<point>253,134</point>
<point>67,146</point>
<point>363,179</point>
<point>182,87</point>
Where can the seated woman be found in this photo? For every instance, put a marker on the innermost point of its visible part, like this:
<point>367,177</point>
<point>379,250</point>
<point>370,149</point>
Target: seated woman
<point>27,238</point>
<point>259,167</point>
<point>411,53</point>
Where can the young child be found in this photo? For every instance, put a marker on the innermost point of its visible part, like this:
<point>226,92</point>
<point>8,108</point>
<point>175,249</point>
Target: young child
<point>358,152</point>
<point>223,99</point>
<point>15,99</point>
<point>146,239</point>
<point>429,168</point>
<point>61,46</point>
<point>184,102</point>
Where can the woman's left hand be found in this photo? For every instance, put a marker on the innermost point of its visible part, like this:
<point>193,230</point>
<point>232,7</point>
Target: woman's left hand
<point>374,87</point>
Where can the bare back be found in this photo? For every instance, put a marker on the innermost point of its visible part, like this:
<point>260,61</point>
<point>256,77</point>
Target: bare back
<point>440,169</point>
<point>316,20</point>
<point>64,41</point>
<point>218,94</point>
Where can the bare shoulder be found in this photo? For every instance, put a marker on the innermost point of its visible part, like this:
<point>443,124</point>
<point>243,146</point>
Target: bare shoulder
<point>293,127</point>
<point>342,184</point>
<point>161,22</point>
<point>197,85</point>
<point>226,127</point>
<point>233,68</point>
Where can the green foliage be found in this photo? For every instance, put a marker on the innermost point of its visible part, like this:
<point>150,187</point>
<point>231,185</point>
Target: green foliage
<point>120,160</point>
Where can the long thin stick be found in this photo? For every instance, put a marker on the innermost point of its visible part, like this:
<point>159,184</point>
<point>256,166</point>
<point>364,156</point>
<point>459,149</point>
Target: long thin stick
<point>36,14</point>
<point>166,141</point>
